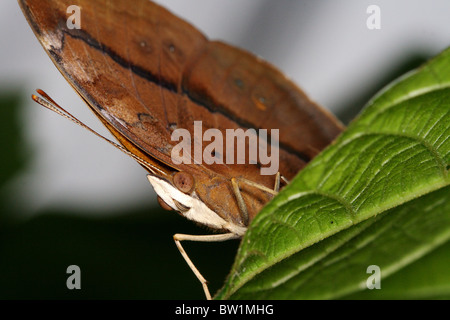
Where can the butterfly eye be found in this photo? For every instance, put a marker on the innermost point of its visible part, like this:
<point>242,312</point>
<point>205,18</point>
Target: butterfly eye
<point>183,181</point>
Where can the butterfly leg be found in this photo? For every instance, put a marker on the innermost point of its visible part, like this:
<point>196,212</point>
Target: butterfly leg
<point>274,191</point>
<point>276,188</point>
<point>240,200</point>
<point>285,180</point>
<point>206,238</point>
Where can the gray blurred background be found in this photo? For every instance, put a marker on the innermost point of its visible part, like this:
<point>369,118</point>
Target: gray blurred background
<point>71,194</point>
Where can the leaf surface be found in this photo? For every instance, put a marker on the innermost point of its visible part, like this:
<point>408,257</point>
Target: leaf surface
<point>357,191</point>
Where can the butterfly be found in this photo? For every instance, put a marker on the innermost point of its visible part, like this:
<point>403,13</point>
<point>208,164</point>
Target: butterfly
<point>149,76</point>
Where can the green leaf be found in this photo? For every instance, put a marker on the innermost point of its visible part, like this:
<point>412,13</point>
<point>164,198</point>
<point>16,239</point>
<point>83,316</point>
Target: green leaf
<point>396,151</point>
<point>337,266</point>
<point>426,278</point>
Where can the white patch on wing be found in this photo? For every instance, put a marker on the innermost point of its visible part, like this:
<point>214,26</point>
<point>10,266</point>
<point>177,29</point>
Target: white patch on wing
<point>111,118</point>
<point>198,211</point>
<point>51,41</point>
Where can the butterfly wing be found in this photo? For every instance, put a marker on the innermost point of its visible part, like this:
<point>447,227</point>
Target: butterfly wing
<point>145,72</point>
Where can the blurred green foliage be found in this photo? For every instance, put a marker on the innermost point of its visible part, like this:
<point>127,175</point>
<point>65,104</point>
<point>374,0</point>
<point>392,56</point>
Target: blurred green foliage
<point>14,156</point>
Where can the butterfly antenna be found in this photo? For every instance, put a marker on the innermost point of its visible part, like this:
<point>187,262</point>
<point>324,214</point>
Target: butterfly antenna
<point>50,104</point>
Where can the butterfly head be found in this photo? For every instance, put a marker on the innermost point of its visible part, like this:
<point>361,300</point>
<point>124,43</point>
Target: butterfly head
<point>179,194</point>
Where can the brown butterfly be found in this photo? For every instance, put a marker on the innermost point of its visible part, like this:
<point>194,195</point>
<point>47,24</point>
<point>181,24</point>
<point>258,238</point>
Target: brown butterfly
<point>146,73</point>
